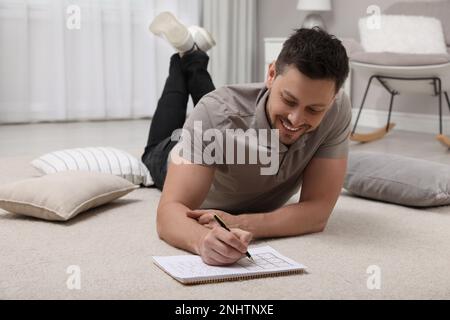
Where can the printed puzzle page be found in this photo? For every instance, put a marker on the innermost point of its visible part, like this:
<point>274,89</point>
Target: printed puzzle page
<point>267,260</point>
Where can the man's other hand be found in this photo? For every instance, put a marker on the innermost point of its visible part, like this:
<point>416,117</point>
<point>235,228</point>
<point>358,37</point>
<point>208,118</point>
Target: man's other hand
<point>206,217</point>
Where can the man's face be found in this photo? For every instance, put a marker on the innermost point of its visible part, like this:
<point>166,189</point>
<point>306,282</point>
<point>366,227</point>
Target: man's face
<point>296,103</point>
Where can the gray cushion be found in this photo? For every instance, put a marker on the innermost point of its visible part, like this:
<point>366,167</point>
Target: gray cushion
<point>399,59</point>
<point>398,179</point>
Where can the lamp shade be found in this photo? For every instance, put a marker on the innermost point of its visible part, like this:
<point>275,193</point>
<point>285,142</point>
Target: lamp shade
<point>314,5</point>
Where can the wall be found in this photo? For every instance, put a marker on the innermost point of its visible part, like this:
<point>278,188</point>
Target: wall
<point>279,18</point>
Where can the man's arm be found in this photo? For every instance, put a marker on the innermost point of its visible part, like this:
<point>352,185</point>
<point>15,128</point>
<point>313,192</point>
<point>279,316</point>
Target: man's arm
<point>185,188</point>
<point>322,184</point>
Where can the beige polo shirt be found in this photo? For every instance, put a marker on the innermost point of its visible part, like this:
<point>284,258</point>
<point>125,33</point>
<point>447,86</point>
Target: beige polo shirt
<point>240,187</point>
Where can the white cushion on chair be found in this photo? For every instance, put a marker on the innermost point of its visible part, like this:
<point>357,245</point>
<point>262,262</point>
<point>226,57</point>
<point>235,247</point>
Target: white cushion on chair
<point>439,9</point>
<point>403,34</point>
<point>400,59</point>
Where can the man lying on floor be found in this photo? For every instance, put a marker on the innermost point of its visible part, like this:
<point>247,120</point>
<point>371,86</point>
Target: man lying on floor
<point>296,124</point>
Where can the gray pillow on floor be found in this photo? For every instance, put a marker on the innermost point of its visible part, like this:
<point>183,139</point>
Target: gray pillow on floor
<point>398,179</point>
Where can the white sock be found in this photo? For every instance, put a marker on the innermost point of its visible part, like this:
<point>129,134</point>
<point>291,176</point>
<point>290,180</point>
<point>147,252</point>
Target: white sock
<point>194,48</point>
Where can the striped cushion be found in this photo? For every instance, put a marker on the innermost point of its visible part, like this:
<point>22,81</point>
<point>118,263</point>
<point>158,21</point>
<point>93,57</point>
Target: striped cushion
<point>98,159</point>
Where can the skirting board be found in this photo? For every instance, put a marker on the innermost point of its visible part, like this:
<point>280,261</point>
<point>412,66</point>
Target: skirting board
<point>416,122</point>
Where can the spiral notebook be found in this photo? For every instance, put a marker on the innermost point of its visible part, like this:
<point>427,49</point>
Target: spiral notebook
<point>190,269</point>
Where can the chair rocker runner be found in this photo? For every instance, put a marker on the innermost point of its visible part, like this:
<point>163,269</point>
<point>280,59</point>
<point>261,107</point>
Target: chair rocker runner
<point>436,84</point>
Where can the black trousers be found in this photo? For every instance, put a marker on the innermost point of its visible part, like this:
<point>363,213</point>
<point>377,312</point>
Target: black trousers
<point>187,75</point>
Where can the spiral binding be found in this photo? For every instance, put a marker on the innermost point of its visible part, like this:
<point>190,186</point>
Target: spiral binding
<point>246,277</point>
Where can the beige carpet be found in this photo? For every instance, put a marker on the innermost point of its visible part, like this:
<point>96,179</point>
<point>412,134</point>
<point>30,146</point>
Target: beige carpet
<point>113,246</point>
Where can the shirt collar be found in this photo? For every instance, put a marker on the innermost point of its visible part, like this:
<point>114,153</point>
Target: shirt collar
<point>260,120</point>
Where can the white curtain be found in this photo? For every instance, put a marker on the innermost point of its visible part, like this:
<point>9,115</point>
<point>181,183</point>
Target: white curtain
<point>233,25</point>
<point>110,68</point>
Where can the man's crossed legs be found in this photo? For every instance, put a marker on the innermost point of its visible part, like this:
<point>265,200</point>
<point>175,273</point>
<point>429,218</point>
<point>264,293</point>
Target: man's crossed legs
<point>188,74</point>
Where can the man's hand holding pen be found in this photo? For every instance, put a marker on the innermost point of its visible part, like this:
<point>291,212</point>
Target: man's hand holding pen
<point>220,246</point>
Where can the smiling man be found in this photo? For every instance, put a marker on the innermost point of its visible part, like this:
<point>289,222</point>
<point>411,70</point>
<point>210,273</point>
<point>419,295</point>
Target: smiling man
<point>300,100</point>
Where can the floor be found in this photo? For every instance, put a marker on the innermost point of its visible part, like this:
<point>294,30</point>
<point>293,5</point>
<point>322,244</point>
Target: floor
<point>113,245</point>
<point>34,139</point>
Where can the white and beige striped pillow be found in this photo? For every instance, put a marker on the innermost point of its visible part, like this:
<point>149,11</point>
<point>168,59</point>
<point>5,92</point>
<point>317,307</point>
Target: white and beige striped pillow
<point>97,159</point>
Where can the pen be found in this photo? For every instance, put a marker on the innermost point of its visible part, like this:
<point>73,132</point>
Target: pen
<point>223,225</point>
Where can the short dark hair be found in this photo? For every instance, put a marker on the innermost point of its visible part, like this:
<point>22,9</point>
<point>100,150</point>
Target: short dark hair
<point>316,54</point>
